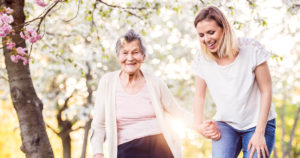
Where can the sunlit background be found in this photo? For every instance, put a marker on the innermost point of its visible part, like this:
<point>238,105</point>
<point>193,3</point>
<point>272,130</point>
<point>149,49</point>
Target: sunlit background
<point>79,38</point>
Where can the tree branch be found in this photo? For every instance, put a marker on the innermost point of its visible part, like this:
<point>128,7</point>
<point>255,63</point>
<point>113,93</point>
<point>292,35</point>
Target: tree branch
<point>4,78</point>
<point>52,129</point>
<point>46,13</point>
<point>60,110</point>
<point>76,129</point>
<point>283,123</point>
<point>275,152</point>
<point>289,146</point>
<point>78,8</point>
<point>124,8</point>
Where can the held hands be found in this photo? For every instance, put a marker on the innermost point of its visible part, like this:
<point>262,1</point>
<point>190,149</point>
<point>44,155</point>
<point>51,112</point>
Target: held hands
<point>209,129</point>
<point>258,144</point>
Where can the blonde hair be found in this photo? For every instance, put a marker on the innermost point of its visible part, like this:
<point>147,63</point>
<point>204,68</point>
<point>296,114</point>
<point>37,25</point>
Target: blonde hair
<point>228,44</point>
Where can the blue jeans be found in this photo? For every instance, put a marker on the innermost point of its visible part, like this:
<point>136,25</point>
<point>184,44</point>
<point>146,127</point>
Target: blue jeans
<point>233,141</point>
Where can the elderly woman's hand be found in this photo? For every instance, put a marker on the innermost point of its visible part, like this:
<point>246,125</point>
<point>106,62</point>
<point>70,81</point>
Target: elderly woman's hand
<point>209,129</point>
<point>98,156</point>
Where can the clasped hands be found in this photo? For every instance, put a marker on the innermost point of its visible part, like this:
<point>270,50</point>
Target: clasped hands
<point>209,129</point>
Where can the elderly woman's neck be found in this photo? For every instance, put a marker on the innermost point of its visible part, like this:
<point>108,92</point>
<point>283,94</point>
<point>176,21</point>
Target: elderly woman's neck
<point>129,78</point>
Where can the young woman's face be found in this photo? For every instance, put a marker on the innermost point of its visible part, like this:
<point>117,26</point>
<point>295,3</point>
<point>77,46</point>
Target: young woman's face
<point>131,57</point>
<point>210,34</point>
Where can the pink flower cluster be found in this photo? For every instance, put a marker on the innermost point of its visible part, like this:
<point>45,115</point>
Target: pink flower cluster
<point>10,45</point>
<point>41,3</point>
<point>30,34</point>
<point>21,55</point>
<point>18,53</point>
<point>5,20</point>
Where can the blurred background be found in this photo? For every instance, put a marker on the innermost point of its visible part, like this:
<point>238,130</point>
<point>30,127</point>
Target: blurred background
<point>77,48</point>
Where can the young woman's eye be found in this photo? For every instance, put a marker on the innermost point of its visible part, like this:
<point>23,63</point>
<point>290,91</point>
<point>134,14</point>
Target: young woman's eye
<point>211,32</point>
<point>201,34</point>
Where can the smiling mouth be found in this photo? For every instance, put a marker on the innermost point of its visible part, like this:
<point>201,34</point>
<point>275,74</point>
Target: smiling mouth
<point>211,45</point>
<point>130,64</point>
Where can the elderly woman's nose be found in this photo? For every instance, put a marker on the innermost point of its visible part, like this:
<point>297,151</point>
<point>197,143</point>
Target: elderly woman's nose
<point>130,56</point>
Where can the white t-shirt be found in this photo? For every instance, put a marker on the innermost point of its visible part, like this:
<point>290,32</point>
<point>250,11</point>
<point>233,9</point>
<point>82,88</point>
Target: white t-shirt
<point>233,87</point>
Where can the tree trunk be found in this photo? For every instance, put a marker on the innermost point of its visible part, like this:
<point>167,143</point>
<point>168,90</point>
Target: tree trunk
<point>35,142</point>
<point>66,142</point>
<point>64,134</point>
<point>85,138</point>
<point>87,126</point>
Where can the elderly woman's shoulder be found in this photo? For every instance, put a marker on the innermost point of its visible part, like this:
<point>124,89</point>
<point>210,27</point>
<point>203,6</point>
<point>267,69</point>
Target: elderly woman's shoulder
<point>108,76</point>
<point>153,78</point>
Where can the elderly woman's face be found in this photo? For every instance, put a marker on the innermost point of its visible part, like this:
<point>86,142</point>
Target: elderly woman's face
<point>131,57</point>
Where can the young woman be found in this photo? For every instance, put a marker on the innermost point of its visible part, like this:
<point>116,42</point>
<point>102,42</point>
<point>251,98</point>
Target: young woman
<point>236,73</point>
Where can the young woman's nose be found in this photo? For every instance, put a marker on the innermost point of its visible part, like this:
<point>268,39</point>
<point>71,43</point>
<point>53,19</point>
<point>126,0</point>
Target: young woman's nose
<point>206,39</point>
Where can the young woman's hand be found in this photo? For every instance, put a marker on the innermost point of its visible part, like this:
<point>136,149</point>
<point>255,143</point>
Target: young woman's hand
<point>258,143</point>
<point>98,156</point>
<point>209,129</point>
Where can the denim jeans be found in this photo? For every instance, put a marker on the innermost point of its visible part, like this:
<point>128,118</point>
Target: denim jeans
<point>233,141</point>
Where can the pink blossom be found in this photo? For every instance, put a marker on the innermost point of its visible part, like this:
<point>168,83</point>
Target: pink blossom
<point>2,34</point>
<point>21,50</point>
<point>32,40</point>
<point>38,37</point>
<point>35,38</point>
<point>41,3</point>
<point>8,10</point>
<point>19,57</point>
<point>31,34</point>
<point>29,29</point>
<point>14,59</point>
<point>23,36</point>
<point>5,29</point>
<point>7,18</point>
<point>10,45</point>
<point>25,61</point>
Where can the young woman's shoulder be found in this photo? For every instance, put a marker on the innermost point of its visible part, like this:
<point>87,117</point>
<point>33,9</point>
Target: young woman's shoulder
<point>249,42</point>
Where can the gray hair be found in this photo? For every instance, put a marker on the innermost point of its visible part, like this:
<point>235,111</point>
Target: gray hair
<point>129,37</point>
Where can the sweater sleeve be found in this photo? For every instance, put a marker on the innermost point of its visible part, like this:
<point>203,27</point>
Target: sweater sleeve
<point>98,124</point>
<point>170,105</point>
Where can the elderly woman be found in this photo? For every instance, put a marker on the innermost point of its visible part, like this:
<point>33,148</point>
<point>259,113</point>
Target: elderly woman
<point>132,107</point>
